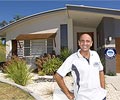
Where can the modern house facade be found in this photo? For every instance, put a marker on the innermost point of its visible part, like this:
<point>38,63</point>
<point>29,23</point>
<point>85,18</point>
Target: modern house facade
<point>53,30</point>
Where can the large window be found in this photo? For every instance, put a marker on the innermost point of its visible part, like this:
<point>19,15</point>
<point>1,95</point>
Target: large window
<point>64,36</point>
<point>38,47</point>
<point>34,47</point>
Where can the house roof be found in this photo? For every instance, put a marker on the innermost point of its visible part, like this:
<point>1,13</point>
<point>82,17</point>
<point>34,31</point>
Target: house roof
<point>28,18</point>
<point>90,16</point>
<point>81,15</point>
<point>93,9</point>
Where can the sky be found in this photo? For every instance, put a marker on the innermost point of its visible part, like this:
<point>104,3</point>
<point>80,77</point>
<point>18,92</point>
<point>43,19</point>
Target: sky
<point>11,8</point>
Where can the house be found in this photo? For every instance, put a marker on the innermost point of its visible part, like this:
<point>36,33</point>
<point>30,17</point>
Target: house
<point>50,31</point>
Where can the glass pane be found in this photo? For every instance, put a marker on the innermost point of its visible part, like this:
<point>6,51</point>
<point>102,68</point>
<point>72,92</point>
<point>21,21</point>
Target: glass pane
<point>64,36</point>
<point>38,47</point>
<point>49,45</point>
<point>26,51</point>
<point>26,43</point>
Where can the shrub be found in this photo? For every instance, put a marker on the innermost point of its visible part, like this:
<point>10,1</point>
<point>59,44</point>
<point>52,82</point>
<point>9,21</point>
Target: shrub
<point>2,52</point>
<point>47,64</point>
<point>41,73</point>
<point>18,71</point>
<point>51,65</point>
<point>65,53</point>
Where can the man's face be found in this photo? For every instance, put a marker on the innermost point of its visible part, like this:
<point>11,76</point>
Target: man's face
<point>85,42</point>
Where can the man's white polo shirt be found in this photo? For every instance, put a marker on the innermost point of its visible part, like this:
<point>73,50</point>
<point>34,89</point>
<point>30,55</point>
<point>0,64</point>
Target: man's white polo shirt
<point>85,74</point>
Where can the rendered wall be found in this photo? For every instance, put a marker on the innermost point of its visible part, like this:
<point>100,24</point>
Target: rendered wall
<point>38,23</point>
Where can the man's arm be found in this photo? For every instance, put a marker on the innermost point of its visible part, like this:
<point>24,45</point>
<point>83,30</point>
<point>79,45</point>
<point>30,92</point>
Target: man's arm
<point>102,79</point>
<point>59,79</point>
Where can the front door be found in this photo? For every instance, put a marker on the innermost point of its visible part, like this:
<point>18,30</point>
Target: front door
<point>117,43</point>
<point>14,47</point>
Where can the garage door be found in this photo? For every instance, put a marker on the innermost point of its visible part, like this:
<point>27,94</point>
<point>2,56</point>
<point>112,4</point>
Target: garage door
<point>117,42</point>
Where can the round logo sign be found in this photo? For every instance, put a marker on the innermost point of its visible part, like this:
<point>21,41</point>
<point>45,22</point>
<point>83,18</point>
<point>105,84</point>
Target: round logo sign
<point>110,52</point>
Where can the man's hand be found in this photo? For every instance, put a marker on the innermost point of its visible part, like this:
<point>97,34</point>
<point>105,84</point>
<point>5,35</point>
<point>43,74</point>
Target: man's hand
<point>70,96</point>
<point>62,85</point>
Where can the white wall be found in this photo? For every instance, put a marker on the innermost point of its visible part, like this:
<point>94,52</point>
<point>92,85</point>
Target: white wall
<point>39,23</point>
<point>70,34</point>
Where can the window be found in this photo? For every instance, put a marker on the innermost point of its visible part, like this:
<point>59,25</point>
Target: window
<point>49,45</point>
<point>26,47</point>
<point>38,47</point>
<point>3,41</point>
<point>64,36</point>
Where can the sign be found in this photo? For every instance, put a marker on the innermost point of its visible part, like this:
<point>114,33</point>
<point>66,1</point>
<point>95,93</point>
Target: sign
<point>110,53</point>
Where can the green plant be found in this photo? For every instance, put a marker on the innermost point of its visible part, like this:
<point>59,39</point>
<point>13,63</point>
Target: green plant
<point>2,52</point>
<point>18,71</point>
<point>51,65</point>
<point>65,53</point>
<point>41,73</point>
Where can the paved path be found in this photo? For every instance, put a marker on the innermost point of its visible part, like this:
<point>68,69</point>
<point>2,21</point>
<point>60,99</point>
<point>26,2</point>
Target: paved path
<point>113,87</point>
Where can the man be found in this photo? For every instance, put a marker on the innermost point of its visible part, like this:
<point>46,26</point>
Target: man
<point>87,72</point>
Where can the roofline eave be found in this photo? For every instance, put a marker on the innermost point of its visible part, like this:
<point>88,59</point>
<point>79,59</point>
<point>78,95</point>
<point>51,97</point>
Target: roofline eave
<point>93,9</point>
<point>29,17</point>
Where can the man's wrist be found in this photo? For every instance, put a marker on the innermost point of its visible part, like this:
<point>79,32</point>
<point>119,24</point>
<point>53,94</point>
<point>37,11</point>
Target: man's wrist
<point>70,95</point>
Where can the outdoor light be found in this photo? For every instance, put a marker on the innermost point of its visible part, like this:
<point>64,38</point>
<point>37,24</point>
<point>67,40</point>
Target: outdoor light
<point>109,38</point>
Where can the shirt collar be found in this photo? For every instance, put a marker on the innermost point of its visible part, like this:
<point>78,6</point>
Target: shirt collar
<point>79,55</point>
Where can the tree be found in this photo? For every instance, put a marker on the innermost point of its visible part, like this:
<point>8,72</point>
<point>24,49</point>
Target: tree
<point>3,23</point>
<point>17,17</point>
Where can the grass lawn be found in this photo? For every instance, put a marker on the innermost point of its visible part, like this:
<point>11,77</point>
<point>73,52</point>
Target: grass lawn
<point>9,92</point>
